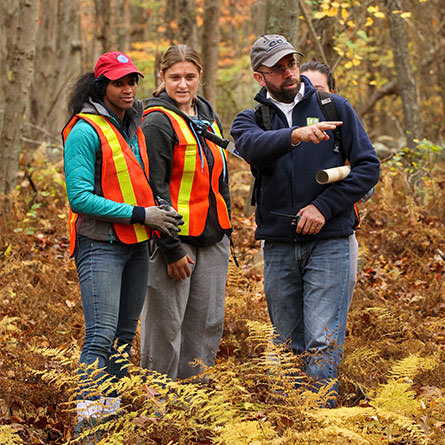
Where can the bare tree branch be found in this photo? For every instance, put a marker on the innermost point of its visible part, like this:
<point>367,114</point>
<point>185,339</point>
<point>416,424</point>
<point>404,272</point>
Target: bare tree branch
<point>312,30</point>
<point>386,90</point>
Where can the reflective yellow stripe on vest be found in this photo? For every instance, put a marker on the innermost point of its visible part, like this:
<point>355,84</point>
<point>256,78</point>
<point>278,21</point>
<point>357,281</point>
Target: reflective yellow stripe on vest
<point>216,129</point>
<point>185,188</point>
<point>122,173</point>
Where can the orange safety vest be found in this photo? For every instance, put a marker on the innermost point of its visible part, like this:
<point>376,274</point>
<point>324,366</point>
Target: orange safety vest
<point>190,183</point>
<point>122,179</point>
<point>357,217</point>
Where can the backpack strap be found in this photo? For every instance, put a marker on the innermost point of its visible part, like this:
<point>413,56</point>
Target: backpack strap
<point>263,116</point>
<point>329,111</point>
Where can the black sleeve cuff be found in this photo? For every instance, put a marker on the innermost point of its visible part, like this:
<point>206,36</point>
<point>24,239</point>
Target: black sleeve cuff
<point>171,248</point>
<point>138,215</point>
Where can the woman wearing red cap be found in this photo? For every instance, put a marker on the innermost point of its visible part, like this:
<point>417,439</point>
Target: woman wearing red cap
<point>183,316</point>
<point>112,213</point>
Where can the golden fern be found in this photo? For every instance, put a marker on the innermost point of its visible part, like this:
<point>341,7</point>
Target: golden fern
<point>62,356</point>
<point>236,279</point>
<point>411,365</point>
<point>332,435</point>
<point>397,397</point>
<point>359,361</point>
<point>7,325</point>
<point>389,320</point>
<point>9,435</point>
<point>251,432</point>
<point>254,402</point>
<point>373,424</point>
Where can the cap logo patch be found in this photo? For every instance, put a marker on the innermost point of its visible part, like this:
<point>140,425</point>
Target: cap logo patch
<point>122,59</point>
<point>274,43</point>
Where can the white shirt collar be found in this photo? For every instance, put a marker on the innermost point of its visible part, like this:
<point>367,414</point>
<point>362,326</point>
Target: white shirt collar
<point>287,108</point>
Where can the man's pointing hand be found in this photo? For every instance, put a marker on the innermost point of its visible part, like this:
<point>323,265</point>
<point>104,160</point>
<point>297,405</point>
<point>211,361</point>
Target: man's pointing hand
<point>314,133</point>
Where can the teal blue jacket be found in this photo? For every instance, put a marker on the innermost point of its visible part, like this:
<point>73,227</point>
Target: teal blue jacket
<point>82,163</point>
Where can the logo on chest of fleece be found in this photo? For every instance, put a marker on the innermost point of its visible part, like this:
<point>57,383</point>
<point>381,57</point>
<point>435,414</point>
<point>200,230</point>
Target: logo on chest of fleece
<point>312,120</point>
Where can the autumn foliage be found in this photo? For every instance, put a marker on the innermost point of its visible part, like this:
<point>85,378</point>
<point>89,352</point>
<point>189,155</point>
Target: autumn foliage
<point>392,379</point>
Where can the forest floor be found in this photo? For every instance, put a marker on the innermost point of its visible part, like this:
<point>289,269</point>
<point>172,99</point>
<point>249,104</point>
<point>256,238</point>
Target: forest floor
<point>392,379</point>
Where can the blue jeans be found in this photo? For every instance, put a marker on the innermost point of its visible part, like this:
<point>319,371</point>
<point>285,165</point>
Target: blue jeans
<point>113,284</point>
<point>307,293</point>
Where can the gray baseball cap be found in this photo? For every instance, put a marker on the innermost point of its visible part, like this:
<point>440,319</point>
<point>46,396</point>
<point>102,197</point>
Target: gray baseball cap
<point>270,49</point>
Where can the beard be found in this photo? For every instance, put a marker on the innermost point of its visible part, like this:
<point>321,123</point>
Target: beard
<point>283,94</point>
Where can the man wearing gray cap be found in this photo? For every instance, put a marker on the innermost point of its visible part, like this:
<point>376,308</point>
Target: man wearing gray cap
<point>305,225</point>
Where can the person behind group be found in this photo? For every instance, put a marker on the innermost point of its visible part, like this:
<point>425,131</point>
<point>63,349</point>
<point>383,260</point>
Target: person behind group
<point>306,266</point>
<point>322,79</point>
<point>113,210</point>
<point>182,319</point>
<point>320,75</point>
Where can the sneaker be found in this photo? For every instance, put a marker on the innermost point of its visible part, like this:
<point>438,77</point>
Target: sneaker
<point>83,426</point>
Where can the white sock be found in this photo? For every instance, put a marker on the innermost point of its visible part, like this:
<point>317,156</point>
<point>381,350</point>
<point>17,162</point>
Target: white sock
<point>89,408</point>
<point>111,405</point>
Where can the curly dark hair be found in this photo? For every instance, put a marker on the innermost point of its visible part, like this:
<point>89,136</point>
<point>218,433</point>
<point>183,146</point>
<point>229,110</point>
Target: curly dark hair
<point>84,88</point>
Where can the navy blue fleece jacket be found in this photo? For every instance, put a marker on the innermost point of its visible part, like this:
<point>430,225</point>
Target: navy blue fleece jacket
<point>286,173</point>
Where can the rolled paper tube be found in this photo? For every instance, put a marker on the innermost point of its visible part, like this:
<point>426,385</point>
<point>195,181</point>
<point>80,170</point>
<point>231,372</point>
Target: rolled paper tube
<point>332,174</point>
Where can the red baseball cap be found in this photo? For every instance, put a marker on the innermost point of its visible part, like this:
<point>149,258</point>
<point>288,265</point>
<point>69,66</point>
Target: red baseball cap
<point>114,65</point>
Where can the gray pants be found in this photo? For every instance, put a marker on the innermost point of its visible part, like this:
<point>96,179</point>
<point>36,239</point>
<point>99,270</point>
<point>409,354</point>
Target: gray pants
<point>353,257</point>
<point>183,320</point>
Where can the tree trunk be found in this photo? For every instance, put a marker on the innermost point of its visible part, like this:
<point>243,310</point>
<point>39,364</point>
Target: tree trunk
<point>104,10</point>
<point>124,25</point>
<point>440,63</point>
<point>259,17</point>
<point>3,54</point>
<point>142,23</point>
<point>235,31</point>
<point>210,51</point>
<point>16,92</point>
<point>43,83</point>
<point>180,22</point>
<point>406,82</point>
<point>57,63</point>
<point>69,56</point>
<point>188,32</point>
<point>171,22</point>
<point>282,18</point>
<point>8,37</point>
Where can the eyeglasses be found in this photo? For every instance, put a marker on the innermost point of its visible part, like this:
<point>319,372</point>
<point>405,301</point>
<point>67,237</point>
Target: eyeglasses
<point>279,71</point>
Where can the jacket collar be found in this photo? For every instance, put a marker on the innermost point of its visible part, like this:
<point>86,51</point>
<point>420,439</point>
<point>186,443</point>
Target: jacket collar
<point>205,110</point>
<point>132,119</point>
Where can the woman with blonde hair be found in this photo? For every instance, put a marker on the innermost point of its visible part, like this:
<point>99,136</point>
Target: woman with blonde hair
<point>182,319</point>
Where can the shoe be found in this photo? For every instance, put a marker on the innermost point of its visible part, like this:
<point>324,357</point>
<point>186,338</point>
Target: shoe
<point>83,426</point>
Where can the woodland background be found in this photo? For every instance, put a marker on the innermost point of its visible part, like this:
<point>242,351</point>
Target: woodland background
<point>388,58</point>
